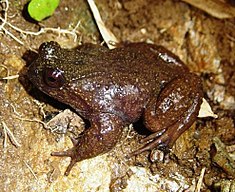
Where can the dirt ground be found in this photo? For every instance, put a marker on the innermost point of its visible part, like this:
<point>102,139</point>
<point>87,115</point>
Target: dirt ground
<point>203,156</point>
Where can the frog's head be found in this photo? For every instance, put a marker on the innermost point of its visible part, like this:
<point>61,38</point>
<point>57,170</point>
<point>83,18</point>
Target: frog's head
<point>54,70</point>
<point>44,72</point>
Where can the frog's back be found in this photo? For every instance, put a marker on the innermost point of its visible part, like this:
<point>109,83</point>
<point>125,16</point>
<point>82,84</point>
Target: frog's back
<point>122,80</point>
<point>146,64</point>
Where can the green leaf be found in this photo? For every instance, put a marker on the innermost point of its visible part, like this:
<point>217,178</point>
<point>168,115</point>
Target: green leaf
<point>40,9</point>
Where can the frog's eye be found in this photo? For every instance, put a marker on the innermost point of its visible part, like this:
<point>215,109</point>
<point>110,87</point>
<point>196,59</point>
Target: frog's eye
<point>54,77</point>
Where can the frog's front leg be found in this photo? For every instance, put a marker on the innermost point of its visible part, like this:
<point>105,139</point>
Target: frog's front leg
<point>101,137</point>
<point>173,112</point>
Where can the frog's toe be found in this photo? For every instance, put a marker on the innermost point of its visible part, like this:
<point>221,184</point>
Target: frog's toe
<point>147,147</point>
<point>152,136</point>
<point>71,164</point>
<point>162,143</point>
<point>67,153</point>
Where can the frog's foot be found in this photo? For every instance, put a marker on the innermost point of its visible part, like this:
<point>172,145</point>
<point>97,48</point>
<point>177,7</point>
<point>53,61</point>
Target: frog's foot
<point>68,153</point>
<point>161,143</point>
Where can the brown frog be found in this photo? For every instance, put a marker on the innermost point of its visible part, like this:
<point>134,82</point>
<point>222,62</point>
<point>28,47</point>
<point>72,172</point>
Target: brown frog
<point>113,88</point>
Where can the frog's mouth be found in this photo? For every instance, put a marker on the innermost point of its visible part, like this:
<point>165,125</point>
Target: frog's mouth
<point>32,73</point>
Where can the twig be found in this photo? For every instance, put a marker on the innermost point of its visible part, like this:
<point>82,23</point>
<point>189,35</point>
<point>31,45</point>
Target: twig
<point>31,170</point>
<point>8,133</point>
<point>10,77</point>
<point>5,138</point>
<point>32,120</point>
<point>41,107</point>
<point>199,183</point>
<point>4,20</point>
<point>5,67</point>
<point>107,35</point>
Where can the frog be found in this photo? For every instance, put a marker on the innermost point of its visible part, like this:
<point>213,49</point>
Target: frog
<point>114,88</point>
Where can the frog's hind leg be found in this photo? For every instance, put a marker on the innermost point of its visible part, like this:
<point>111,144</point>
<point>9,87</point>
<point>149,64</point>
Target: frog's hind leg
<point>173,112</point>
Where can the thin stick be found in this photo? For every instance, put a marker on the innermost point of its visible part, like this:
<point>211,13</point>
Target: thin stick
<point>107,35</point>
<point>5,138</point>
<point>10,135</point>
<point>10,77</point>
<point>199,183</point>
<point>31,170</point>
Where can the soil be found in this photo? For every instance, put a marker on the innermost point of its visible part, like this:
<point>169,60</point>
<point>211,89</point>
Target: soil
<point>206,44</point>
